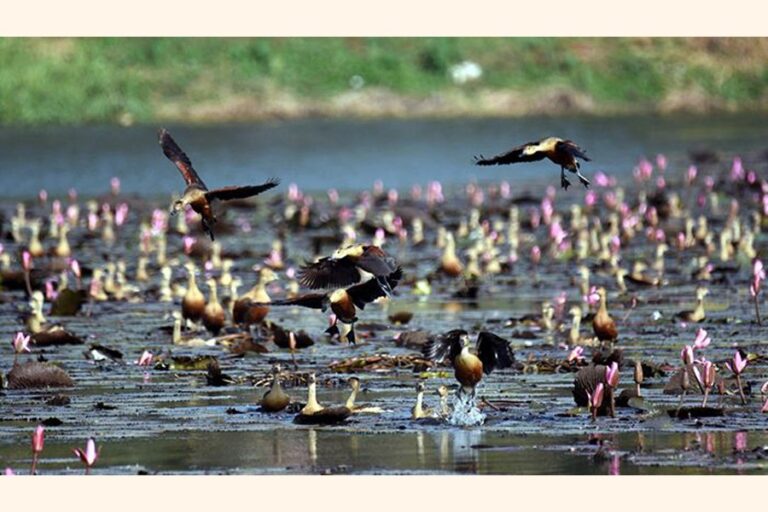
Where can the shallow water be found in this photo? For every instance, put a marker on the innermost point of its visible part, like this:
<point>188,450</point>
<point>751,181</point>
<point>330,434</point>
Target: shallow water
<point>172,422</point>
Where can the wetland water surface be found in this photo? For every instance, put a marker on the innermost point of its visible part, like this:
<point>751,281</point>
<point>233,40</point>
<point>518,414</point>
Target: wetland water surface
<point>171,421</point>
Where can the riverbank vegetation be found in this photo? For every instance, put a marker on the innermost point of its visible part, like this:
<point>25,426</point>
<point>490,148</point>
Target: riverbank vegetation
<point>128,80</point>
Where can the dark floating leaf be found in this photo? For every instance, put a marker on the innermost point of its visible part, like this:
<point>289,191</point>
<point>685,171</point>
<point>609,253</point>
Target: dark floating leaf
<point>58,400</point>
<point>685,413</point>
<point>52,422</point>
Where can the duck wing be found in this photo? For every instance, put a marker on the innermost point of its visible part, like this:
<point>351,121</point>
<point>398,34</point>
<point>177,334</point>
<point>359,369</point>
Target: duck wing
<point>329,273</point>
<point>494,351</point>
<point>446,346</point>
<point>174,153</point>
<point>375,262</point>
<point>512,156</point>
<point>235,192</point>
<point>310,300</point>
<point>371,290</point>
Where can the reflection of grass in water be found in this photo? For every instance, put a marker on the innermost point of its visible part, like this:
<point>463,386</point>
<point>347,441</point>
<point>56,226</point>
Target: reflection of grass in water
<point>88,80</point>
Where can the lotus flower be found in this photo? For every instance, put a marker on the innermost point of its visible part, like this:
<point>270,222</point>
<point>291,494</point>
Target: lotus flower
<point>590,198</point>
<point>535,254</point>
<point>765,406</point>
<point>75,266</point>
<point>21,343</point>
<point>596,398</point>
<point>690,175</point>
<point>612,375</point>
<point>50,290</point>
<point>121,213</point>
<point>702,339</point>
<point>9,472</point>
<point>737,364</point>
<point>740,441</point>
<point>189,242</point>
<point>577,354</point>
<point>592,297</point>
<point>38,442</point>
<point>38,439</point>
<point>145,359</point>
<point>614,468</point>
<point>26,261</point>
<point>687,355</point>
<point>89,455</point>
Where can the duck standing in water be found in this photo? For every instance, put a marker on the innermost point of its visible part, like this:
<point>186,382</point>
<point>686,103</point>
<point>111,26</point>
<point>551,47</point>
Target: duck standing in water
<point>275,400</point>
<point>562,152</point>
<point>197,194</point>
<point>492,352</point>
<point>214,317</point>
<point>603,325</point>
<point>193,303</point>
<point>251,308</point>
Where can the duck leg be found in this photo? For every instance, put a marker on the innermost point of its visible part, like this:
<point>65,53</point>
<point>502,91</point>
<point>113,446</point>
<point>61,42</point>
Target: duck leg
<point>563,180</point>
<point>583,179</point>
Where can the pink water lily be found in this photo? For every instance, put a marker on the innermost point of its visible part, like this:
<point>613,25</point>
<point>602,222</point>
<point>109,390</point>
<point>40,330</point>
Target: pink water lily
<point>576,354</point>
<point>535,254</point>
<point>706,378</point>
<point>686,354</point>
<point>21,343</point>
<point>75,266</point>
<point>601,179</point>
<point>9,472</point>
<point>189,242</point>
<point>592,297</point>
<point>737,364</point>
<point>702,339</point>
<point>765,406</point>
<point>145,359</point>
<point>690,175</point>
<point>38,442</point>
<point>93,221</point>
<point>50,290</point>
<point>596,398</point>
<point>89,455</point>
<point>26,261</point>
<point>612,375</point>
<point>38,439</point>
<point>121,213</point>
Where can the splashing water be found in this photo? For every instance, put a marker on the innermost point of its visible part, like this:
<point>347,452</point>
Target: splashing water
<point>465,410</point>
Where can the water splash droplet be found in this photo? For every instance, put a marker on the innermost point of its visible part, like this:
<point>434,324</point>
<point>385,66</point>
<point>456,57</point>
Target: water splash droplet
<point>465,410</point>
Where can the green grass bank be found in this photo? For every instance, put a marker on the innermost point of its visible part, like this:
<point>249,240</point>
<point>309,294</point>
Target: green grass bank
<point>125,80</point>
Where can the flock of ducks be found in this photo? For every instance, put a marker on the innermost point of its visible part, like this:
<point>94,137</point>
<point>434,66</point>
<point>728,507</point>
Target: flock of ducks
<point>487,225</point>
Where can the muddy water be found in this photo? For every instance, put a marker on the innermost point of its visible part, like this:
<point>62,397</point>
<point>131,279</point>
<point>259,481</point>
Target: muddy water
<point>170,421</point>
